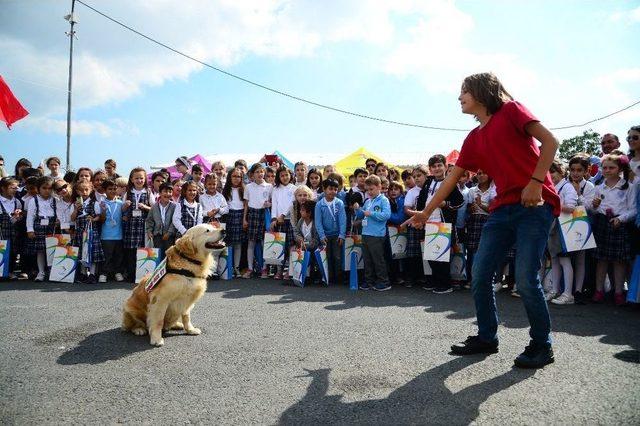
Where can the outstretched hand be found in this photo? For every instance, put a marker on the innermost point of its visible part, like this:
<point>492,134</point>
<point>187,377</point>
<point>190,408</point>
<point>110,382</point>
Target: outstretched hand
<point>417,220</point>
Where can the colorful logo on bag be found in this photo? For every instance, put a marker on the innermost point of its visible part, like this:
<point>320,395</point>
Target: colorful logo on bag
<point>148,255</point>
<point>4,254</point>
<point>437,236</point>
<point>397,237</point>
<point>65,254</point>
<point>579,226</point>
<point>298,260</point>
<point>57,240</point>
<point>275,245</point>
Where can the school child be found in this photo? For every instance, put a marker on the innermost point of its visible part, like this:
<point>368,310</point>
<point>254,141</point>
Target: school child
<point>157,179</point>
<point>213,203</point>
<point>196,177</point>
<point>394,175</point>
<point>98,178</point>
<point>257,197</point>
<point>478,200</point>
<point>415,236</point>
<point>86,214</point>
<point>110,167</point>
<point>11,215</point>
<point>159,223</point>
<point>331,224</point>
<point>41,221</point>
<point>579,175</point>
<point>84,174</point>
<point>374,214</point>
<point>397,218</point>
<point>352,181</point>
<point>370,165</point>
<point>233,193</point>
<point>300,169</point>
<point>407,179</point>
<point>522,213</point>
<point>137,204</point>
<point>282,198</point>
<point>440,282</point>
<point>314,181</point>
<point>218,168</point>
<point>561,268</point>
<point>381,170</point>
<point>306,236</point>
<point>614,205</point>
<point>300,195</point>
<point>53,164</point>
<point>182,166</point>
<point>31,190</point>
<point>327,170</point>
<point>357,195</point>
<point>633,139</point>
<point>177,190</point>
<point>242,165</point>
<point>122,183</point>
<point>110,211</point>
<point>64,201</point>
<point>270,175</point>
<point>384,186</point>
<point>188,212</point>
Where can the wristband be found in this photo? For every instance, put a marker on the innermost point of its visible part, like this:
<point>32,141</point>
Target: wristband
<point>537,180</point>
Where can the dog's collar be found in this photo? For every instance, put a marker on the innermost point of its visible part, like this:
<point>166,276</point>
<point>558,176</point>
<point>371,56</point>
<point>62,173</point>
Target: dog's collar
<point>185,272</point>
<point>182,255</point>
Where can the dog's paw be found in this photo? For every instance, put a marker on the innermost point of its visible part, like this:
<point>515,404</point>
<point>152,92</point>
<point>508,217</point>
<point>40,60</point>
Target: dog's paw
<point>159,342</point>
<point>194,331</point>
<point>139,331</point>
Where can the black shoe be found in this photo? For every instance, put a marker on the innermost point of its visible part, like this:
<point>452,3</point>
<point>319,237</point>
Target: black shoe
<point>474,345</point>
<point>381,287</point>
<point>534,356</point>
<point>442,290</point>
<point>428,287</point>
<point>364,287</point>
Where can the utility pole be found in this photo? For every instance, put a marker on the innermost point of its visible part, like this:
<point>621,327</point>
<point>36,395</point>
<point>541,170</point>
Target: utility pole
<point>72,21</point>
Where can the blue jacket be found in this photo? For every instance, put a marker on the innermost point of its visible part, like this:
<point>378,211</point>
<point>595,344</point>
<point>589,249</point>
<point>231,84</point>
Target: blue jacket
<point>328,224</point>
<point>398,217</point>
<point>375,225</point>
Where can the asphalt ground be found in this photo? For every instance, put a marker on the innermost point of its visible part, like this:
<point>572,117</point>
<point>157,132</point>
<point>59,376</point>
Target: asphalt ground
<point>274,354</point>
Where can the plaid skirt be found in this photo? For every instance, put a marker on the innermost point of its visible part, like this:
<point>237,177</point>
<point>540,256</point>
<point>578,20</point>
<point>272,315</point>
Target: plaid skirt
<point>96,247</point>
<point>612,244</point>
<point>34,245</point>
<point>414,239</point>
<point>287,229</point>
<point>133,232</point>
<point>255,217</point>
<point>474,226</point>
<point>10,233</point>
<point>234,233</point>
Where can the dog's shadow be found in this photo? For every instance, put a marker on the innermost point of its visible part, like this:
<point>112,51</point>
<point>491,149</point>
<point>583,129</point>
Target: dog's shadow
<point>103,346</point>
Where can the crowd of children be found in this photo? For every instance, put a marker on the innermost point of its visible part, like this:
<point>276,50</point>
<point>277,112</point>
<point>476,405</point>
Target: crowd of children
<point>314,208</point>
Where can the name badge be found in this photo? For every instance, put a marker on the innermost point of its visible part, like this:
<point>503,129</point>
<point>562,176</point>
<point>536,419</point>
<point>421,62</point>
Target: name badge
<point>64,225</point>
<point>44,222</point>
<point>137,213</point>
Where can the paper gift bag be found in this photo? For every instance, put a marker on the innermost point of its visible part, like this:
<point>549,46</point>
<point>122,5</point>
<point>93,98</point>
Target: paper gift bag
<point>323,263</point>
<point>299,266</point>
<point>65,262</point>
<point>398,240</point>
<point>225,264</point>
<point>87,241</point>
<point>53,241</point>
<point>273,248</point>
<point>352,244</point>
<point>5,258</point>
<point>437,241</point>
<point>147,258</point>
<point>575,230</point>
<point>633,295</point>
<point>426,268</point>
<point>458,265</point>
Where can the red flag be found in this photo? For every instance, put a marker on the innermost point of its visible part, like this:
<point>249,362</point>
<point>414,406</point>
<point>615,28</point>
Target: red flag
<point>10,108</point>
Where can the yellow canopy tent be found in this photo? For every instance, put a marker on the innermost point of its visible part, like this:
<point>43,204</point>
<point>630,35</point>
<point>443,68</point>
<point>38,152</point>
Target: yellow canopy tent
<point>348,164</point>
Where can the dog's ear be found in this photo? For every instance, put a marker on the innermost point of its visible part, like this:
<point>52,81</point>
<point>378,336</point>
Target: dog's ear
<point>185,246</point>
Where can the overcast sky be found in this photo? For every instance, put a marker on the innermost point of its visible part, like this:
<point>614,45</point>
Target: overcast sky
<point>568,61</point>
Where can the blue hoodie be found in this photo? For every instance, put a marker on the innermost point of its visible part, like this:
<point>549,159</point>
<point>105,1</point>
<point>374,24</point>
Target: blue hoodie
<point>330,224</point>
<point>375,225</point>
<point>398,217</point>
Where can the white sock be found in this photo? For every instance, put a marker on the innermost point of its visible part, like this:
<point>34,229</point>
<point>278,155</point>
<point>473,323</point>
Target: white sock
<point>250,249</point>
<point>556,274</point>
<point>567,271</point>
<point>237,250</point>
<point>42,262</point>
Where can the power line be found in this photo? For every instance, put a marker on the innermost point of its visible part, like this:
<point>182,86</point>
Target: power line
<point>314,103</point>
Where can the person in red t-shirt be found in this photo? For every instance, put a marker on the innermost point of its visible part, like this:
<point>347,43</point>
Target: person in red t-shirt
<point>503,146</point>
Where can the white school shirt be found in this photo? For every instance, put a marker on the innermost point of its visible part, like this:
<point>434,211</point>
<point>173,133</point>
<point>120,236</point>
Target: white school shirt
<point>45,209</point>
<point>586,193</point>
<point>177,215</point>
<point>567,193</point>
<point>63,211</point>
<point>236,202</point>
<point>485,197</point>
<point>216,201</point>
<point>99,196</point>
<point>411,198</point>
<point>136,197</point>
<point>635,168</point>
<point>10,204</point>
<point>436,216</point>
<point>25,202</point>
<point>257,194</point>
<point>621,201</point>
<point>281,200</point>
<point>306,230</point>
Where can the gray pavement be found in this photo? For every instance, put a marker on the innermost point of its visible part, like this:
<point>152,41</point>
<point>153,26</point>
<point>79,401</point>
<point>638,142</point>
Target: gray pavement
<point>276,354</point>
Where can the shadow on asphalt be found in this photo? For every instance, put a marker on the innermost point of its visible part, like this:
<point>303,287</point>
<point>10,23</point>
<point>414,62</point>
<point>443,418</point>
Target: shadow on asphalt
<point>579,320</point>
<point>108,345</point>
<point>434,402</point>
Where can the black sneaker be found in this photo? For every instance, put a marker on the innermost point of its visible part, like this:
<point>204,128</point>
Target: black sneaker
<point>428,287</point>
<point>475,345</point>
<point>442,290</point>
<point>534,356</point>
<point>382,287</point>
<point>364,287</point>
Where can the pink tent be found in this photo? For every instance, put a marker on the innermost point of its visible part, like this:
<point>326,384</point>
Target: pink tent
<point>196,159</point>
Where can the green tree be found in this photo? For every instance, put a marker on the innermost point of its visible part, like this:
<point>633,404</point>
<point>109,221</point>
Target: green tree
<point>588,142</point>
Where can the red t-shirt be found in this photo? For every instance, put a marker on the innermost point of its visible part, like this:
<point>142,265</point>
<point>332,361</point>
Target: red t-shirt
<point>504,151</point>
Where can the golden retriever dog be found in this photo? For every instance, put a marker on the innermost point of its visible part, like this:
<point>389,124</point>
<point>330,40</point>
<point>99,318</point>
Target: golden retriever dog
<point>168,305</point>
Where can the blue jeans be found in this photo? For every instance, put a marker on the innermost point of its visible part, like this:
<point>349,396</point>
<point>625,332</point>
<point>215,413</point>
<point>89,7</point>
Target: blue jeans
<point>528,228</point>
